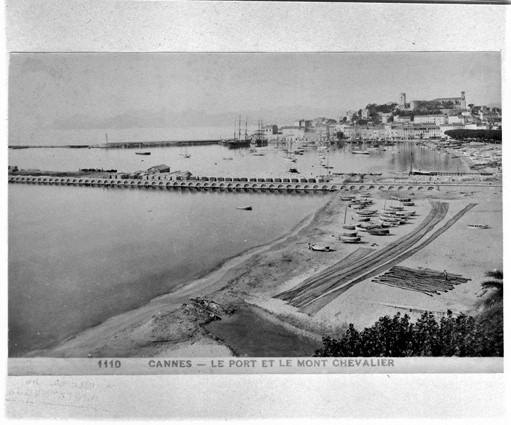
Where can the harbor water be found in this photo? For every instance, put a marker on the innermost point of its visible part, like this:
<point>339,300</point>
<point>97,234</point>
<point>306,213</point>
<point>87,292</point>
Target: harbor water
<point>79,255</point>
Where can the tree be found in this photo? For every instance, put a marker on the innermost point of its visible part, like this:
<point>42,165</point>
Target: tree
<point>495,286</point>
<point>491,135</point>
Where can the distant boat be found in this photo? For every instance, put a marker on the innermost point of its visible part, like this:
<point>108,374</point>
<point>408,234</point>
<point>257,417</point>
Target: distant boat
<point>378,232</point>
<point>228,159</point>
<point>350,234</point>
<point>318,248</point>
<point>478,226</point>
<point>247,208</point>
<point>350,239</point>
<point>142,153</point>
<point>361,152</point>
<point>422,173</point>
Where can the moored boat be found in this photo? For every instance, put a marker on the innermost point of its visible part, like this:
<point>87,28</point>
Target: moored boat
<point>350,239</point>
<point>349,234</point>
<point>478,226</point>
<point>142,153</point>
<point>318,248</point>
<point>246,207</point>
<point>378,232</point>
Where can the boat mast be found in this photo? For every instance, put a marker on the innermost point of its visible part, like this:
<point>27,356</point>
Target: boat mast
<point>411,163</point>
<point>106,137</point>
<point>239,128</point>
<point>246,128</point>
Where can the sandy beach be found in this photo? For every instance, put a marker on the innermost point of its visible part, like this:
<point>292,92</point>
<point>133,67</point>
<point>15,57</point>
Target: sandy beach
<point>245,292</point>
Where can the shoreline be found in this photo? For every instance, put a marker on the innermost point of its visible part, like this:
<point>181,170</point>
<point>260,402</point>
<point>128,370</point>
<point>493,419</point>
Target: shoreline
<point>169,326</point>
<point>198,286</point>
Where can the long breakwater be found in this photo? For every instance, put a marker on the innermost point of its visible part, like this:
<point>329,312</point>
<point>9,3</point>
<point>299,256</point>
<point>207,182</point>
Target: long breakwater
<point>223,184</point>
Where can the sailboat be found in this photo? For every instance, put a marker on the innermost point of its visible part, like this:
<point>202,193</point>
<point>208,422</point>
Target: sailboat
<point>362,151</point>
<point>288,156</point>
<point>185,153</point>
<point>259,138</point>
<point>238,142</point>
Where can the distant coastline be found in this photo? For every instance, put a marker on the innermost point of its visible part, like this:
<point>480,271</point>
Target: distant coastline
<point>124,145</point>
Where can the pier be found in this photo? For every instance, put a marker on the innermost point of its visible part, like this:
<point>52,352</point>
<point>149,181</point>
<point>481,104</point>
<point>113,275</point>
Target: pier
<point>237,184</point>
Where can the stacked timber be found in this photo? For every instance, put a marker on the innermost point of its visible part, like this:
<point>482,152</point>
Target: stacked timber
<point>427,281</point>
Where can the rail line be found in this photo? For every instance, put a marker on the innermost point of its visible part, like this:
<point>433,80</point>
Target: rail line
<point>337,274</point>
<point>317,304</point>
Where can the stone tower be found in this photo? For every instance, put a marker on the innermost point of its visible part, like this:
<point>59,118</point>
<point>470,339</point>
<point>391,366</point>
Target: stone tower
<point>402,100</point>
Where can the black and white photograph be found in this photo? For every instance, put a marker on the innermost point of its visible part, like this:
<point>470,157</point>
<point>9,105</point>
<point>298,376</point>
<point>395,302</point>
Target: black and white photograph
<point>255,205</point>
<point>284,207</point>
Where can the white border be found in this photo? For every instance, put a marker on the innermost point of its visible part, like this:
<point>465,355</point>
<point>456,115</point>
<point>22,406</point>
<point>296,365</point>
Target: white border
<point>63,25</point>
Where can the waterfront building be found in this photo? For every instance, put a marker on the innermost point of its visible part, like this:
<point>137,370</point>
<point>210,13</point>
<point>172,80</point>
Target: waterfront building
<point>162,168</point>
<point>322,132</point>
<point>303,124</point>
<point>294,132</point>
<point>270,130</point>
<point>437,119</point>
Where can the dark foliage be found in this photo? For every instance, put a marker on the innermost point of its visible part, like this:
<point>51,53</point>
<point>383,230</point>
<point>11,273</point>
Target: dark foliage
<point>483,135</point>
<point>462,336</point>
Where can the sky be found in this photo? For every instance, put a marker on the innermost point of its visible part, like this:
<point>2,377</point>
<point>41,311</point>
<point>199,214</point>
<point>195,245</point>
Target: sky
<point>158,90</point>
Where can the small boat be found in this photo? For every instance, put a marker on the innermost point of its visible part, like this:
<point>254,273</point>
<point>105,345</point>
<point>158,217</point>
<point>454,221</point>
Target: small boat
<point>397,198</point>
<point>361,152</point>
<point>378,232</point>
<point>366,212</point>
<point>396,208</point>
<point>365,226</point>
<point>389,219</point>
<point>349,234</point>
<point>404,213</point>
<point>247,208</point>
<point>348,227</point>
<point>318,248</point>
<point>228,159</point>
<point>350,239</point>
<point>362,218</point>
<point>347,198</point>
<point>478,226</point>
<point>408,203</point>
<point>185,155</point>
<point>142,153</point>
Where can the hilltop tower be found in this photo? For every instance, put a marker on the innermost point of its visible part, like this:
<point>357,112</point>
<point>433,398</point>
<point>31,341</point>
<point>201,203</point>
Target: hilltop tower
<point>463,102</point>
<point>402,100</point>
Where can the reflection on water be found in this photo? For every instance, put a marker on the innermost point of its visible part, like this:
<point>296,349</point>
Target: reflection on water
<point>209,160</point>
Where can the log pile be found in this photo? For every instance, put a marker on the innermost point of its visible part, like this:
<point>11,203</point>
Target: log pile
<point>427,281</point>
